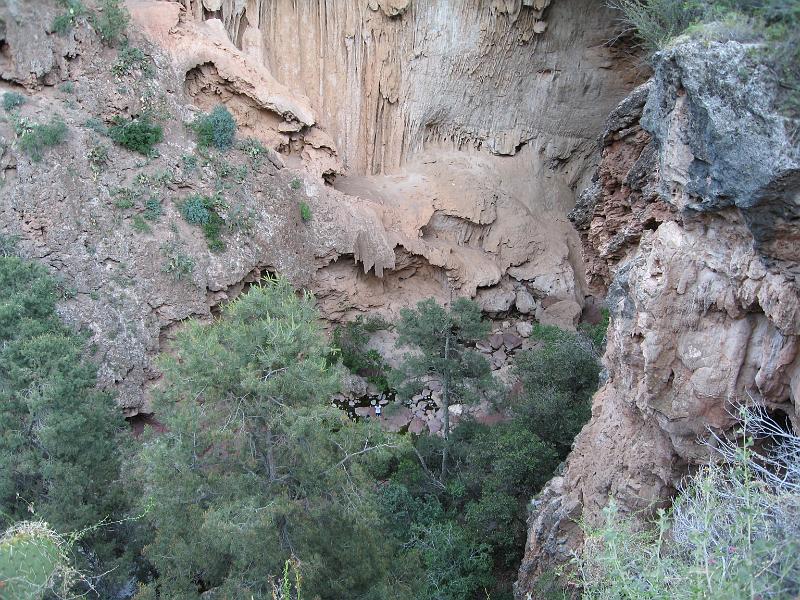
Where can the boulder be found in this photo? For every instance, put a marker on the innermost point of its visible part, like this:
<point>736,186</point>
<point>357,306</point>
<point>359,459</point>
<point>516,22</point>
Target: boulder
<point>524,329</point>
<point>525,302</point>
<point>416,426</point>
<point>563,314</point>
<point>496,341</point>
<point>511,341</point>
<point>495,300</point>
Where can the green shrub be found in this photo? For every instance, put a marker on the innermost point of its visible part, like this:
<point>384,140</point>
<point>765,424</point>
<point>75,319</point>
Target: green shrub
<point>66,21</point>
<point>558,379</point>
<point>96,125</point>
<point>111,21</point>
<point>177,263</point>
<point>217,129</point>
<point>98,158</point>
<point>36,138</point>
<point>140,225</point>
<point>732,533</point>
<point>295,184</point>
<point>305,212</point>
<point>130,58</point>
<point>12,100</point>
<point>68,87</point>
<point>194,210</point>
<point>8,245</point>
<point>203,211</point>
<point>153,209</point>
<point>254,149</point>
<point>138,135</point>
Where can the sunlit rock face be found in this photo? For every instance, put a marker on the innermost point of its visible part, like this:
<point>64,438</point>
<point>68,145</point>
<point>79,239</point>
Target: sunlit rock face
<point>438,146</point>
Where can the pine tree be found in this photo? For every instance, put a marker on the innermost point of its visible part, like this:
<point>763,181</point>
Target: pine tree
<point>58,434</point>
<point>255,467</point>
<point>443,338</point>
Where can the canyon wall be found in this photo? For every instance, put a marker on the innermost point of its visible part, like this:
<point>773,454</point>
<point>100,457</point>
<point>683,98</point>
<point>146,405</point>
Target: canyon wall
<point>692,223</point>
<point>454,135</point>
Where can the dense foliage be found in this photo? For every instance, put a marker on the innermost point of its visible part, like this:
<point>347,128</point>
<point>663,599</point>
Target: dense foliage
<point>139,135</point>
<point>216,129</point>
<point>442,337</point>
<point>59,435</point>
<point>254,464</point>
<point>36,138</point>
<point>252,485</point>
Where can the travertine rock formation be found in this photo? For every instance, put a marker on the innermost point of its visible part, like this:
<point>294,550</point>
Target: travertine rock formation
<point>463,128</point>
<point>705,298</point>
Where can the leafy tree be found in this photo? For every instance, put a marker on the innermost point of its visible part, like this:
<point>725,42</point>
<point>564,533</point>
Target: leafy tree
<point>558,380</point>
<point>254,466</point>
<point>500,468</point>
<point>442,337</point>
<point>58,433</point>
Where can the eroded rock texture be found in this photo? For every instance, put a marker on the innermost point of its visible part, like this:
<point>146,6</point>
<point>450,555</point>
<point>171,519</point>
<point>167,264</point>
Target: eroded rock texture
<point>703,288</point>
<point>437,144</point>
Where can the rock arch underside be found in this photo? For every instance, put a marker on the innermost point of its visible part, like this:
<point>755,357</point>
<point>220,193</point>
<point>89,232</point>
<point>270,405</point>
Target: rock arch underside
<point>506,150</point>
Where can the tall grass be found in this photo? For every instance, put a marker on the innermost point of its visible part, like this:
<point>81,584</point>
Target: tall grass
<point>732,533</point>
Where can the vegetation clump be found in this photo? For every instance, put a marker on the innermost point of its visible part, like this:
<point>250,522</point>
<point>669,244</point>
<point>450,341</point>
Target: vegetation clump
<point>130,58</point>
<point>305,212</point>
<point>204,211</point>
<point>36,138</point>
<point>177,263</point>
<point>138,135</point>
<point>13,100</point>
<point>110,21</point>
<point>216,129</point>
<point>59,450</point>
<point>733,532</point>
<point>254,463</point>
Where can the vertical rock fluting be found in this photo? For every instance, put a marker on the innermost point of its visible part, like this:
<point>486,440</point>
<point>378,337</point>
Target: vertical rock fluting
<point>704,297</point>
<point>388,77</point>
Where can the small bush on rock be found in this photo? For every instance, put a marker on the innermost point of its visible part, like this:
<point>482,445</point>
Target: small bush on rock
<point>66,21</point>
<point>12,100</point>
<point>111,21</point>
<point>139,135</point>
<point>217,129</point>
<point>36,138</point>
<point>305,212</point>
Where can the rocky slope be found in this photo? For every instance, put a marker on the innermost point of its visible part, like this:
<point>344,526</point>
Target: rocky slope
<point>449,188</point>
<point>692,223</point>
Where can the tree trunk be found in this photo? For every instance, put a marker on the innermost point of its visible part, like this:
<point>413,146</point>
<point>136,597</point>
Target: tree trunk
<point>446,407</point>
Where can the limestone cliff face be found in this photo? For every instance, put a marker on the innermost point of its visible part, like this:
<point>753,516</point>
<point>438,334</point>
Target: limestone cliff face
<point>692,219</point>
<point>453,133</point>
<point>472,123</point>
<point>388,77</point>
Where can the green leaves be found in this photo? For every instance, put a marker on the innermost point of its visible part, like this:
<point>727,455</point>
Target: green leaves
<point>58,433</point>
<point>254,464</point>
